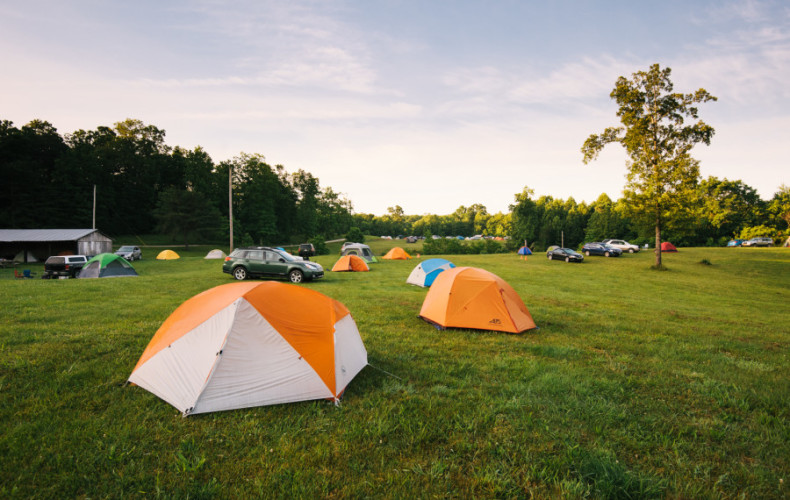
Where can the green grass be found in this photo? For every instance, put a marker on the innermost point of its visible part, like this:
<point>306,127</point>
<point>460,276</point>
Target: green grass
<point>639,384</point>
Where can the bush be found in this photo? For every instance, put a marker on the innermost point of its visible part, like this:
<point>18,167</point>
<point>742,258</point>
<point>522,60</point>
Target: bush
<point>320,245</point>
<point>756,231</point>
<point>454,246</point>
<point>355,235</point>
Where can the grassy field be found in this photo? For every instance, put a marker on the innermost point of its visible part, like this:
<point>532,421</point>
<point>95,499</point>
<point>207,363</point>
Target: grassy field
<point>639,384</point>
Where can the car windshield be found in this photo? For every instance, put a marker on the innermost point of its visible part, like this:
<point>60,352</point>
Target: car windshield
<point>567,250</point>
<point>126,249</point>
<point>285,255</point>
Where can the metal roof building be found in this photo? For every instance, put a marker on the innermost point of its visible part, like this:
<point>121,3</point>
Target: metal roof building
<point>31,245</point>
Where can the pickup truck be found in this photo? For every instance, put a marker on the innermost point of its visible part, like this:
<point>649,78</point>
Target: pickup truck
<point>63,266</point>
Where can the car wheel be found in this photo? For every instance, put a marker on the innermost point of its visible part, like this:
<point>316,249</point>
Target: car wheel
<point>240,273</point>
<point>630,250</point>
<point>549,257</point>
<point>587,253</point>
<point>567,259</point>
<point>606,254</point>
<point>296,276</point>
<point>76,273</point>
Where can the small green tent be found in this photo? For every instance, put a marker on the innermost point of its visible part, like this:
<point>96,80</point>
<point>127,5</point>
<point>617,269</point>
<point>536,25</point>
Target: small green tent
<point>107,265</point>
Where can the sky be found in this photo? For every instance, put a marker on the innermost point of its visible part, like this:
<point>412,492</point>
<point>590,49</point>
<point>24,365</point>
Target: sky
<point>428,105</point>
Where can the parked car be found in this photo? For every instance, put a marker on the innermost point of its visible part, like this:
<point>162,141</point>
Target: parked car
<point>758,242</point>
<point>595,248</point>
<point>306,250</point>
<point>63,266</point>
<point>255,262</point>
<point>130,252</point>
<point>622,245</point>
<point>565,254</point>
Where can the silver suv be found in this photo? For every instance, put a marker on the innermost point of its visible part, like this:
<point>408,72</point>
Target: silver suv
<point>758,242</point>
<point>622,245</point>
<point>130,252</point>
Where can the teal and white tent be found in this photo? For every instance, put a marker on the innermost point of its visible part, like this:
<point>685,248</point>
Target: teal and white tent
<point>427,271</point>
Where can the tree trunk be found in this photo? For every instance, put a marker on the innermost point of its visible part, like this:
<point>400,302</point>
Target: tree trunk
<point>658,241</point>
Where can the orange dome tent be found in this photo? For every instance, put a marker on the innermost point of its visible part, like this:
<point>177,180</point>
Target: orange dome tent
<point>350,263</point>
<point>167,255</point>
<point>251,344</point>
<point>668,247</point>
<point>469,297</point>
<point>397,253</point>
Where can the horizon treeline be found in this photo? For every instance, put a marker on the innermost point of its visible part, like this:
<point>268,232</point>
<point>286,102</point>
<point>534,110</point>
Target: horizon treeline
<point>145,186</point>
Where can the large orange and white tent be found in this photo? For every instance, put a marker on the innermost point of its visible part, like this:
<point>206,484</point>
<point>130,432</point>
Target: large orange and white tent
<point>251,344</point>
<point>469,297</point>
<point>350,263</point>
<point>397,253</point>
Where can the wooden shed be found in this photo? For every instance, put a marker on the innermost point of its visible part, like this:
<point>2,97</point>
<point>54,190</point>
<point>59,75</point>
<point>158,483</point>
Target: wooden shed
<point>31,245</point>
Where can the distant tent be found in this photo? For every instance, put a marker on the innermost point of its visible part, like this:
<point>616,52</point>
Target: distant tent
<point>360,250</point>
<point>787,242</point>
<point>20,257</point>
<point>426,272</point>
<point>215,254</point>
<point>167,255</point>
<point>107,265</point>
<point>397,253</point>
<point>668,247</point>
<point>350,263</point>
<point>469,297</point>
<point>524,251</point>
<point>552,247</point>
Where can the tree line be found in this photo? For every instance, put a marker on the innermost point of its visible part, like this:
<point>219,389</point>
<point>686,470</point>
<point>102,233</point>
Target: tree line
<point>145,186</point>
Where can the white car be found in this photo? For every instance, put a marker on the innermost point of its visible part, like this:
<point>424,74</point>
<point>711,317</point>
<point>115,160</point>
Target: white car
<point>622,245</point>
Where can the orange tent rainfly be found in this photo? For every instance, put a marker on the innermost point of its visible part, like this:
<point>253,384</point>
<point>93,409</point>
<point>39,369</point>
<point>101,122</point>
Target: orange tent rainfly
<point>397,253</point>
<point>167,255</point>
<point>252,344</point>
<point>469,297</point>
<point>668,247</point>
<point>350,263</point>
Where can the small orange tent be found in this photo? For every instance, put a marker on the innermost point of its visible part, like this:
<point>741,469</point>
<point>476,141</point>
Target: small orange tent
<point>350,263</point>
<point>397,253</point>
<point>167,255</point>
<point>469,297</point>
<point>668,247</point>
<point>251,344</point>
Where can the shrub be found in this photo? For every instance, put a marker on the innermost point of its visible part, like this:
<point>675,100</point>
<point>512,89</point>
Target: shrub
<point>748,233</point>
<point>355,235</point>
<point>320,245</point>
<point>453,246</point>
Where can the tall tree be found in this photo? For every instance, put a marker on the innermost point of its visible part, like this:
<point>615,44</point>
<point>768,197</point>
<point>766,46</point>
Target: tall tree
<point>658,142</point>
<point>186,215</point>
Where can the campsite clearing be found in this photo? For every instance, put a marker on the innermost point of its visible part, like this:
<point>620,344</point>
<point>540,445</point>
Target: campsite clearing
<point>638,384</point>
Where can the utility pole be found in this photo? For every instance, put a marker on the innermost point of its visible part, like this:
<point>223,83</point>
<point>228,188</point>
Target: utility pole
<point>230,203</point>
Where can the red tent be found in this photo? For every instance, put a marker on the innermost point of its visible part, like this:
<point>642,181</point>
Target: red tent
<point>668,247</point>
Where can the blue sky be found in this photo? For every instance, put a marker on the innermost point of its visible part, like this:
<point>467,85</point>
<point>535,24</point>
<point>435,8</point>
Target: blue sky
<point>428,105</point>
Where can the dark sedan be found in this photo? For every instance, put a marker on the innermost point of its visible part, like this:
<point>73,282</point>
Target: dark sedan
<point>565,254</point>
<point>595,248</point>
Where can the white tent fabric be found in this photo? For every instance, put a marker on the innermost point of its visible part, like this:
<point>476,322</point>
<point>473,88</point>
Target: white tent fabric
<point>237,359</point>
<point>215,254</point>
